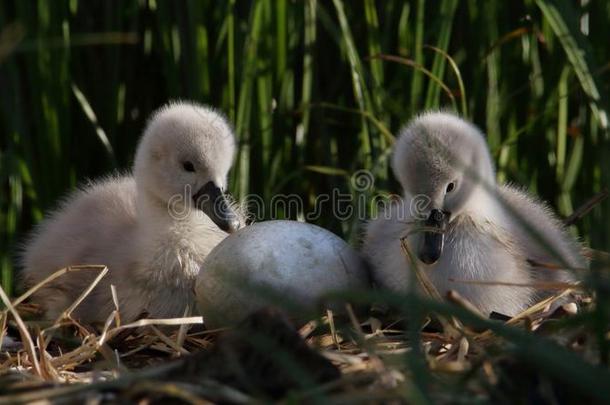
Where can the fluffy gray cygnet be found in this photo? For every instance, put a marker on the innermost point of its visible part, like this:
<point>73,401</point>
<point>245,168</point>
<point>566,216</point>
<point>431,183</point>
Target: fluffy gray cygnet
<point>486,232</point>
<point>151,228</point>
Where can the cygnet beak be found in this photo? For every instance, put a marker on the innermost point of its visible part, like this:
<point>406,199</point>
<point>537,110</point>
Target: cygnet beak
<point>211,200</point>
<point>431,245</point>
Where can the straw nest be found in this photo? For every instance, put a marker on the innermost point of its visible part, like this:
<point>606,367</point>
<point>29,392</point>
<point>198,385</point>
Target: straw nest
<point>446,352</point>
<point>347,358</point>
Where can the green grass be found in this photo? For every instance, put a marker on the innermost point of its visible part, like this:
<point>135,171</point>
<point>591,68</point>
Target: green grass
<point>315,90</point>
<point>313,83</point>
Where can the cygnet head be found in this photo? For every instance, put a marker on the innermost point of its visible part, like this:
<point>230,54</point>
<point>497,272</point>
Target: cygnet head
<point>184,157</point>
<point>443,161</point>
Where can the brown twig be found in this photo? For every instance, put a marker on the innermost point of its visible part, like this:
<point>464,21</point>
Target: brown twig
<point>68,312</point>
<point>23,331</point>
<point>586,207</point>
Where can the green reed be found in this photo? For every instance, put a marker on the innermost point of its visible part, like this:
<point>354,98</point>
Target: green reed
<point>316,90</point>
<point>311,84</point>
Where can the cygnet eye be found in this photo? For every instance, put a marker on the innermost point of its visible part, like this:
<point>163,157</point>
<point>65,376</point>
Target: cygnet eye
<point>450,187</point>
<point>188,166</point>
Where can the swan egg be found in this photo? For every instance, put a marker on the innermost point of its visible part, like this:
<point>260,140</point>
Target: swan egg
<point>275,263</point>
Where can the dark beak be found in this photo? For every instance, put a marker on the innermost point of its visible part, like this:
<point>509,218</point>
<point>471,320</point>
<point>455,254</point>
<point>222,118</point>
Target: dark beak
<point>211,200</point>
<point>431,246</point>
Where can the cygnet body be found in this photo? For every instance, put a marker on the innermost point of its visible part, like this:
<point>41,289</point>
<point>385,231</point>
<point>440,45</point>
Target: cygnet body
<point>152,229</point>
<point>477,230</point>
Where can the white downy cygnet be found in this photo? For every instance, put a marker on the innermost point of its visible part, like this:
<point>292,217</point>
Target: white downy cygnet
<point>151,229</point>
<point>488,233</point>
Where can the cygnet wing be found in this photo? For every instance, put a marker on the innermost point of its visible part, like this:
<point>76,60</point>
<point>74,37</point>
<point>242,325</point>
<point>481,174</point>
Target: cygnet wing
<point>93,225</point>
<point>538,231</point>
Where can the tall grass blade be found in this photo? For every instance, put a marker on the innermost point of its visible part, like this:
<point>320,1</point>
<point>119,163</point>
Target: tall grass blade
<point>357,75</point>
<point>447,13</point>
<point>82,100</point>
<point>576,50</point>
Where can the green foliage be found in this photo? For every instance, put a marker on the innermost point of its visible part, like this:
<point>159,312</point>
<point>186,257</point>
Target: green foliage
<point>314,90</point>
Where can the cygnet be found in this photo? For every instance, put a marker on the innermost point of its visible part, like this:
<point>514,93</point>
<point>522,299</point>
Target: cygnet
<point>490,243</point>
<point>151,228</point>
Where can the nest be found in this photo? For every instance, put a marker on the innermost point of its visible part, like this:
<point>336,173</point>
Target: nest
<point>442,353</point>
<point>375,358</point>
